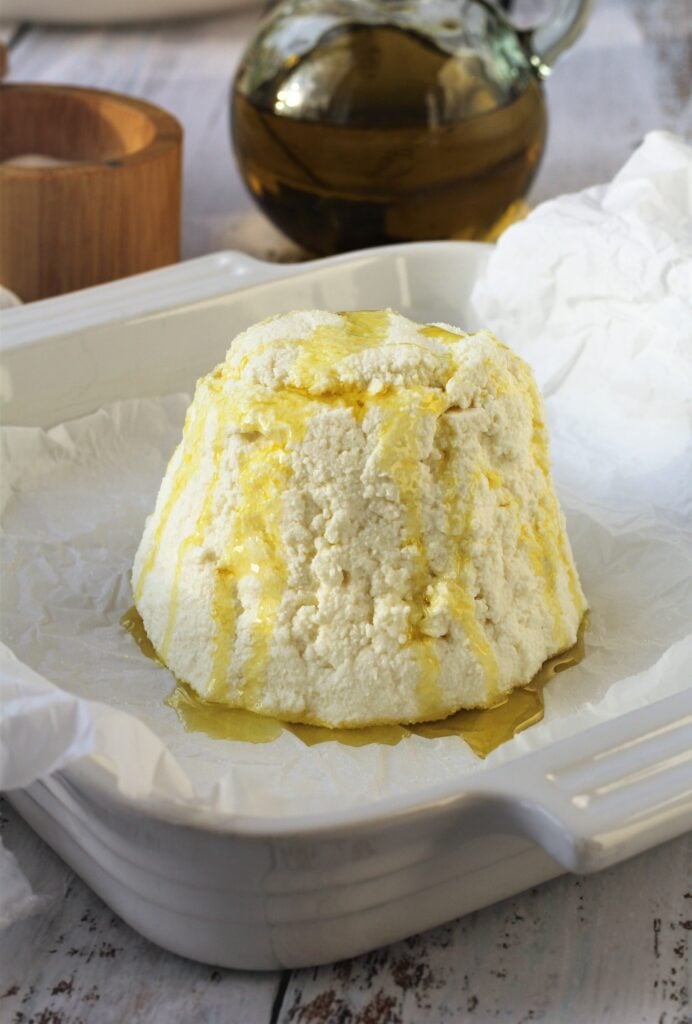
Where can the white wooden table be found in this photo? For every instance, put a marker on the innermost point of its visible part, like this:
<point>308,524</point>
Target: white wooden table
<point>608,949</point>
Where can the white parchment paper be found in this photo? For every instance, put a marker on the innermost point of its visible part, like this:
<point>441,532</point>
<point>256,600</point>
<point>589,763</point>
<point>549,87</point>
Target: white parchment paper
<point>595,290</point>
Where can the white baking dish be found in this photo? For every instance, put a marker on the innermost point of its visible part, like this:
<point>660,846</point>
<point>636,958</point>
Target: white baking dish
<point>257,892</point>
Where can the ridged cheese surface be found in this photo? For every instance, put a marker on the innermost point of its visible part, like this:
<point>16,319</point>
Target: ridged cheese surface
<point>359,525</point>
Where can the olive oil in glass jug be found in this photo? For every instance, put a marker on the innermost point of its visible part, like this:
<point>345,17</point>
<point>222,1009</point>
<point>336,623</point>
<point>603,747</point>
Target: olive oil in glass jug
<point>366,122</point>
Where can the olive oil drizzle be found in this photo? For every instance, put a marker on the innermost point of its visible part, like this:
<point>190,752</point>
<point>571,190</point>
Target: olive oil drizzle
<point>193,433</point>
<point>399,440</point>
<point>258,551</point>
<point>282,419</point>
<point>547,546</point>
<point>254,549</point>
<point>484,729</point>
<point>275,422</point>
<point>196,539</point>
<point>459,511</point>
<point>132,623</point>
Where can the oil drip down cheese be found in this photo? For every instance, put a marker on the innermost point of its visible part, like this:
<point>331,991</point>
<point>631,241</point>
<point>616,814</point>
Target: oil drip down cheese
<point>359,526</point>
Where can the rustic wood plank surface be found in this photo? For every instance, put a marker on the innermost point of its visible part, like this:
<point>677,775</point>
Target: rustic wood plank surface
<point>612,948</point>
<point>75,962</point>
<point>608,949</point>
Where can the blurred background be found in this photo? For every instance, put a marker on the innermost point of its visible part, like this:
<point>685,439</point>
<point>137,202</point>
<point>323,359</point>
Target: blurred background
<point>628,73</point>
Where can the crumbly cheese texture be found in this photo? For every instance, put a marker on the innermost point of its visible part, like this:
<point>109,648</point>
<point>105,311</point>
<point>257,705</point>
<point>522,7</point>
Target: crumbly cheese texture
<point>359,525</point>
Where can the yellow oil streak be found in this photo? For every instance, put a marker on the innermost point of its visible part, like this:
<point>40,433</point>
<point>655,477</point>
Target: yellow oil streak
<point>317,366</point>
<point>546,542</point>
<point>399,458</point>
<point>483,729</point>
<point>281,418</point>
<point>459,512</point>
<point>258,551</point>
<point>486,729</point>
<point>132,623</point>
<point>255,549</point>
<point>197,537</point>
<point>274,422</point>
<point>320,353</point>
<point>440,334</point>
<point>192,438</point>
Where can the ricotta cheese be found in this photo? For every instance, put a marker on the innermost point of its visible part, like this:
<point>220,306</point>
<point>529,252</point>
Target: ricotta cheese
<point>359,525</point>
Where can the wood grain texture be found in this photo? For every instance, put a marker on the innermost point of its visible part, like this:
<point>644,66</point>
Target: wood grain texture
<point>75,962</point>
<point>114,213</point>
<point>612,948</point>
<point>625,77</point>
<point>185,67</point>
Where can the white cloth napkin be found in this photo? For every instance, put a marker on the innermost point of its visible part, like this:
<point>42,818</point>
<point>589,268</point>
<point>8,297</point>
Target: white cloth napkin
<point>595,291</point>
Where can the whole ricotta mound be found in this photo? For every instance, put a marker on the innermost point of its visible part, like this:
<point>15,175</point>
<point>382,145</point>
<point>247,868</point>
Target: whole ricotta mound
<point>359,525</point>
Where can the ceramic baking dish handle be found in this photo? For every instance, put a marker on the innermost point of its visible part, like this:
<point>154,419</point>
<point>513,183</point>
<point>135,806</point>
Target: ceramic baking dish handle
<point>197,280</point>
<point>614,791</point>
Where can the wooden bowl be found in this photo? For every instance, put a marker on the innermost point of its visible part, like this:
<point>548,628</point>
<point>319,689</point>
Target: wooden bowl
<point>113,210</point>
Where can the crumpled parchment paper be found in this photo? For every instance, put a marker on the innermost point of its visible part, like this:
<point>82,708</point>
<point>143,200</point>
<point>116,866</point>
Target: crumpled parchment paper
<point>595,290</point>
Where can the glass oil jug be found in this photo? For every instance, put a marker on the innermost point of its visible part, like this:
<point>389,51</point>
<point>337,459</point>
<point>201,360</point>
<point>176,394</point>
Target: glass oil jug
<point>365,122</point>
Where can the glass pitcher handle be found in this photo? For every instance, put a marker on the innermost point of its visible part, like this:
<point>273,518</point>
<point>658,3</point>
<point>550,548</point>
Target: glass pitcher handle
<point>548,40</point>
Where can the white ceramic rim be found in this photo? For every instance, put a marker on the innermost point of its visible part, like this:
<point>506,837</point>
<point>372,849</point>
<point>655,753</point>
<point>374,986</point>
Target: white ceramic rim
<point>602,803</point>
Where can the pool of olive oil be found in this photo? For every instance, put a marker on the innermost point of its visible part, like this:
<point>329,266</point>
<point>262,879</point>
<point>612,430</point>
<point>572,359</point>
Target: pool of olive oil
<point>483,730</point>
<point>378,136</point>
